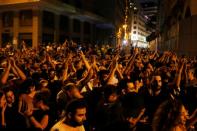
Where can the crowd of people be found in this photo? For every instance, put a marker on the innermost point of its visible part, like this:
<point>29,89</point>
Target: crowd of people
<point>71,87</point>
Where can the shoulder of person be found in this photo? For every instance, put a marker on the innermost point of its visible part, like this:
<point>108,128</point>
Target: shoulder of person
<point>178,128</point>
<point>81,128</point>
<point>59,126</point>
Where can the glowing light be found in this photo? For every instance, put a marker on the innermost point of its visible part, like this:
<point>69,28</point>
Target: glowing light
<point>146,16</point>
<point>131,3</point>
<point>119,33</point>
<point>124,26</point>
<point>124,42</point>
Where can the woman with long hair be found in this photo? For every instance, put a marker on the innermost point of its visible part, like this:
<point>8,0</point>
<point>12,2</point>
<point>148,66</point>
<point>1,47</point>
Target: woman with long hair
<point>170,116</point>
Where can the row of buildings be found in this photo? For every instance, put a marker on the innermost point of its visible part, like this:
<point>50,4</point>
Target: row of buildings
<point>43,21</point>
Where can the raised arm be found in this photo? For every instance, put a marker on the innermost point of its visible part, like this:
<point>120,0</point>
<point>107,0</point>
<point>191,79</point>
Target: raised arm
<point>94,64</point>
<point>49,59</point>
<point>119,73</point>
<point>81,83</point>
<point>18,70</point>
<point>130,62</point>
<point>65,71</point>
<point>112,72</point>
<point>5,75</point>
<point>178,74</point>
<point>87,65</point>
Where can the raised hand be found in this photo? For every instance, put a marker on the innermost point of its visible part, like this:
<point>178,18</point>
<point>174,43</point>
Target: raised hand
<point>81,53</point>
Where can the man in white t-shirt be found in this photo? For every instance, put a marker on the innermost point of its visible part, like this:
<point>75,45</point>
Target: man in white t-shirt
<point>74,118</point>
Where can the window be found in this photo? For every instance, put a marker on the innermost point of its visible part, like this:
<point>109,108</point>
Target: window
<point>76,26</point>
<point>6,37</point>
<point>25,18</point>
<point>8,19</point>
<point>134,27</point>
<point>86,28</point>
<point>63,37</point>
<point>76,39</point>
<point>64,23</point>
<point>27,37</point>
<point>135,17</point>
<point>134,32</point>
<point>47,38</point>
<point>48,20</point>
<point>135,22</point>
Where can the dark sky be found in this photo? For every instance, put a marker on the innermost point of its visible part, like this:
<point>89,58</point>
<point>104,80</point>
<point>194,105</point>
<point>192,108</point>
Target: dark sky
<point>105,8</point>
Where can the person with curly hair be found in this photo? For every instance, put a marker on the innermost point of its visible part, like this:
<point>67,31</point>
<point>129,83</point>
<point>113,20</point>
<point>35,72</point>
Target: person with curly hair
<point>171,115</point>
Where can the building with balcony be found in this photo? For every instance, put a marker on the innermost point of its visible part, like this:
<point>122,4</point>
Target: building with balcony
<point>139,30</point>
<point>43,21</point>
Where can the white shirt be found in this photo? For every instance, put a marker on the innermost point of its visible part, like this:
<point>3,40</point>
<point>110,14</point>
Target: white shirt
<point>60,126</point>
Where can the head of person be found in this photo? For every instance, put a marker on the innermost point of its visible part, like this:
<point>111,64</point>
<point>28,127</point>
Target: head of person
<point>111,93</point>
<point>41,98</point>
<point>156,82</point>
<point>10,96</point>
<point>79,64</point>
<point>169,114</point>
<point>130,87</point>
<point>52,74</point>
<point>28,86</point>
<point>103,75</point>
<point>76,113</point>
<point>138,64</point>
<point>72,91</point>
<point>43,84</point>
<point>36,67</point>
<point>191,74</point>
<point>80,73</point>
<point>2,99</point>
<point>44,67</point>
<point>138,83</point>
